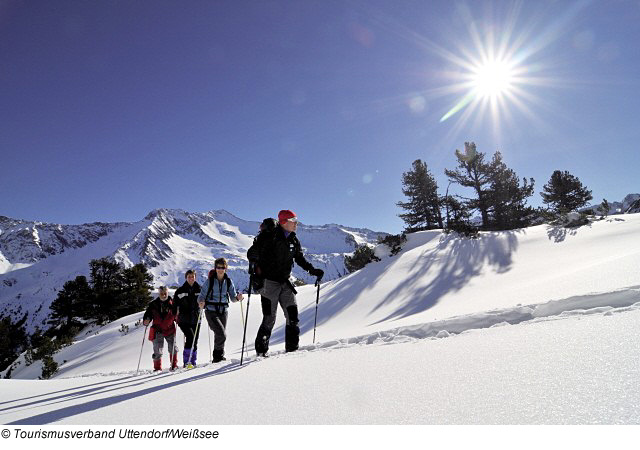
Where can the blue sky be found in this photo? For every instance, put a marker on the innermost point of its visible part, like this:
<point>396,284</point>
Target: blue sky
<point>111,109</point>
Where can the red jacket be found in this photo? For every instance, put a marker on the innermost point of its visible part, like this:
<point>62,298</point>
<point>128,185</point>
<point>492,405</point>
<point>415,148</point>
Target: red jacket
<point>163,315</point>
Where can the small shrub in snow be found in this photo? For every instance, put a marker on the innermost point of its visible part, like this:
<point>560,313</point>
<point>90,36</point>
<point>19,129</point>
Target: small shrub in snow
<point>362,256</point>
<point>394,242</point>
<point>463,228</point>
<point>49,367</point>
<point>603,209</point>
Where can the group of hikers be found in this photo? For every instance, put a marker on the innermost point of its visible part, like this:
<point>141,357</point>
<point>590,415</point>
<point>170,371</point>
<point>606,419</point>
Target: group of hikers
<point>271,259</point>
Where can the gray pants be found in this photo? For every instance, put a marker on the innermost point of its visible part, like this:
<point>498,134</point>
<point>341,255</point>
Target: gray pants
<point>158,345</point>
<point>218,324</point>
<point>272,294</point>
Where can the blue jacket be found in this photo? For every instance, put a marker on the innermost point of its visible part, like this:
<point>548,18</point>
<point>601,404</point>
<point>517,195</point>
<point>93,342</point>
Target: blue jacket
<point>220,295</point>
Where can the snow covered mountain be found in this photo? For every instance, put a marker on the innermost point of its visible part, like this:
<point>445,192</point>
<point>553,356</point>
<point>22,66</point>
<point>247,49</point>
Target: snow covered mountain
<point>37,258</point>
<point>530,326</point>
<point>629,205</point>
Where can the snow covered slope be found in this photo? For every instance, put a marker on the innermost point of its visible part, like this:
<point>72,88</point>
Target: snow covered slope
<point>36,259</point>
<point>579,369</point>
<point>439,276</point>
<point>529,326</point>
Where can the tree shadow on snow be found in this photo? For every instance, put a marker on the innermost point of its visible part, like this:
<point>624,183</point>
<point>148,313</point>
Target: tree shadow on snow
<point>558,233</point>
<point>74,410</point>
<point>458,260</point>
<point>105,383</point>
<point>79,392</point>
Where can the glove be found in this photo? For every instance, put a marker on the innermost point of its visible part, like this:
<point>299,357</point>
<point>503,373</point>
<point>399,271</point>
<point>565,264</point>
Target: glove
<point>252,268</point>
<point>318,273</point>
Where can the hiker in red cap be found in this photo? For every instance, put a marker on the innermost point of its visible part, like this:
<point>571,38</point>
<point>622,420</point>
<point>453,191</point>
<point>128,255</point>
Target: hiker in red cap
<point>271,257</point>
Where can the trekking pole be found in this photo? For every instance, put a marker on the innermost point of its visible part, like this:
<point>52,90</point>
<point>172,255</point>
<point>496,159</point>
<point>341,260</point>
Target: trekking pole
<point>244,335</point>
<point>209,341</point>
<point>193,344</point>
<point>315,321</point>
<point>141,347</point>
<point>242,314</point>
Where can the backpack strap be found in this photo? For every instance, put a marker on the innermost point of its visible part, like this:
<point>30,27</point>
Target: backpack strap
<point>209,289</point>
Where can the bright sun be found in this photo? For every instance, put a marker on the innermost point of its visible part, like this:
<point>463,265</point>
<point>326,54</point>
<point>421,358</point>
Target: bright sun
<point>491,82</point>
<point>492,74</point>
<point>492,79</point>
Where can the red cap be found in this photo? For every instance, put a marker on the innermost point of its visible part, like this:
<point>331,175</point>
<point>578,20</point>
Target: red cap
<point>285,215</point>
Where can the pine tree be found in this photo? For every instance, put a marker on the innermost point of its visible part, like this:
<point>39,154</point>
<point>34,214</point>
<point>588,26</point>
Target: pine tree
<point>106,284</point>
<point>565,193</point>
<point>506,198</point>
<point>458,217</point>
<point>13,339</point>
<point>136,290</point>
<point>500,198</point>
<point>72,301</point>
<point>423,206</point>
<point>475,173</point>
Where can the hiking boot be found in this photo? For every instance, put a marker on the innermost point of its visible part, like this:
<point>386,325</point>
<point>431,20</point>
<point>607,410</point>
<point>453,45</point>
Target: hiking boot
<point>157,365</point>
<point>218,355</point>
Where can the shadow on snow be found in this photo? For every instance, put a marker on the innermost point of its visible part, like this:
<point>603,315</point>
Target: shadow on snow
<point>457,261</point>
<point>73,410</point>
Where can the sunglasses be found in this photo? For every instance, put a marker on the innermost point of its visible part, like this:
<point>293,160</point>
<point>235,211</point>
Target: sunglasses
<point>220,268</point>
<point>293,220</point>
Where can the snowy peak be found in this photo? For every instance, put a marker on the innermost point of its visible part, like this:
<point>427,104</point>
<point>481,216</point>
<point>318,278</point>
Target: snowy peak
<point>25,242</point>
<point>629,205</point>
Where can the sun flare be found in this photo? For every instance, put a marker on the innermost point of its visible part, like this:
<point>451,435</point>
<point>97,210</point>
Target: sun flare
<point>498,71</point>
<point>493,79</point>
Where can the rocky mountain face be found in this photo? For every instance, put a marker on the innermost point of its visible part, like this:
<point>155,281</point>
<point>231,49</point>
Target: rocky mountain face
<point>37,258</point>
<point>634,207</point>
<point>25,242</point>
<point>630,204</point>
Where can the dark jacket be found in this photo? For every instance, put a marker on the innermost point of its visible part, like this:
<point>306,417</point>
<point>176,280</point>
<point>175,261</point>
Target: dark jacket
<point>274,254</point>
<point>186,299</point>
<point>163,315</point>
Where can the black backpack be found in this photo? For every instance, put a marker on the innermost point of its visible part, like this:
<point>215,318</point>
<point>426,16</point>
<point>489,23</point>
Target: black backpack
<point>268,226</point>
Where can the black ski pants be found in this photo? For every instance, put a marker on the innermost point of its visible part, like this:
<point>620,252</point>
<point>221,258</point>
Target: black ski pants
<point>191,340</point>
<point>272,294</point>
